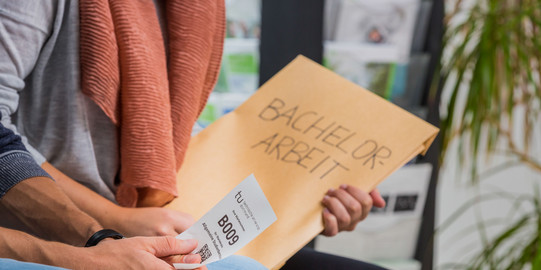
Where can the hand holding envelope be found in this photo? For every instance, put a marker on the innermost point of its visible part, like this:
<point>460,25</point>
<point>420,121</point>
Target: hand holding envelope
<point>346,206</point>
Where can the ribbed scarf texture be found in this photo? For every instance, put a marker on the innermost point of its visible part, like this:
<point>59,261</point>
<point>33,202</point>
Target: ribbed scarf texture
<point>153,100</point>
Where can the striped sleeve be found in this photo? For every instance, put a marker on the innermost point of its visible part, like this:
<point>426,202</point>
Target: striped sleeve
<point>16,163</point>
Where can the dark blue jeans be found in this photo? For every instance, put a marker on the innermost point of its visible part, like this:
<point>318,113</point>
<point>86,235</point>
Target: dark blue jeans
<point>308,258</point>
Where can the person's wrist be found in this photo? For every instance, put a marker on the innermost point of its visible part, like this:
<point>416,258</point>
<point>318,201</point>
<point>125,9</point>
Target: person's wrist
<point>119,219</point>
<point>112,217</point>
<point>89,232</point>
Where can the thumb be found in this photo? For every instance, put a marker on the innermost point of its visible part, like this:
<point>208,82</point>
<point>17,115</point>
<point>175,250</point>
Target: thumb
<point>167,246</point>
<point>377,199</point>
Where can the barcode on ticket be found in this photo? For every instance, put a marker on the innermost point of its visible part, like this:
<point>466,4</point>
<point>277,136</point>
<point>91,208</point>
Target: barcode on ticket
<point>204,252</point>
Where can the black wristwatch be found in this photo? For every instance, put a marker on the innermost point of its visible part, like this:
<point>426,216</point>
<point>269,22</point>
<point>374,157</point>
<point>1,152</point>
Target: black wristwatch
<point>102,234</point>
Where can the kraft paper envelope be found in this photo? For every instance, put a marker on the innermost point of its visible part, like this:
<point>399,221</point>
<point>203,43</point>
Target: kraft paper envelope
<point>306,130</point>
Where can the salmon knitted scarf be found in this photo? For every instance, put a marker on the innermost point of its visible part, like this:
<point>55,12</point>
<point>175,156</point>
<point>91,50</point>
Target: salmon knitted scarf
<point>154,100</point>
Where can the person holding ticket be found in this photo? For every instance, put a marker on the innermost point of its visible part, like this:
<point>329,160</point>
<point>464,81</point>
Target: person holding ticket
<point>28,191</point>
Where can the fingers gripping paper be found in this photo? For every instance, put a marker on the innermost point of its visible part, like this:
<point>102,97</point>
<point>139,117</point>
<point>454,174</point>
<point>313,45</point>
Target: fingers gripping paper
<point>306,130</point>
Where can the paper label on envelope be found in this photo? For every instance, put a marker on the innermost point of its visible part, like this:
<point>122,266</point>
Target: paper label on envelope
<point>238,218</point>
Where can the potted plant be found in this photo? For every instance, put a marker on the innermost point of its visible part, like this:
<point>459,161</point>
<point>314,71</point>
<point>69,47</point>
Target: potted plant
<point>491,73</point>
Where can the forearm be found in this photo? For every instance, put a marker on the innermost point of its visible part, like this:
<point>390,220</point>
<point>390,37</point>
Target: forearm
<point>146,221</point>
<point>42,206</point>
<point>98,207</point>
<point>24,247</point>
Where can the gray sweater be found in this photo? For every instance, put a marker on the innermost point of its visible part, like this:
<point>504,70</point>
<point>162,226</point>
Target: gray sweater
<point>40,96</point>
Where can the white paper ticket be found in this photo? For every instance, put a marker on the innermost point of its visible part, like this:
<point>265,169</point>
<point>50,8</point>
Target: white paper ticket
<point>238,218</point>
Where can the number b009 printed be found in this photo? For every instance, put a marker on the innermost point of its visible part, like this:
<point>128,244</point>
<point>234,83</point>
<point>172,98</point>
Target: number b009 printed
<point>227,229</point>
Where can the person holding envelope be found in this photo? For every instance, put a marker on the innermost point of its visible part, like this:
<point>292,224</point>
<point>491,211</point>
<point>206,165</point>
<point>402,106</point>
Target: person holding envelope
<point>105,95</point>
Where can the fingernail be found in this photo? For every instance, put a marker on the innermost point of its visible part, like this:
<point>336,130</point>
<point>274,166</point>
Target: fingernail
<point>192,258</point>
<point>326,198</point>
<point>326,210</point>
<point>344,186</point>
<point>331,190</point>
